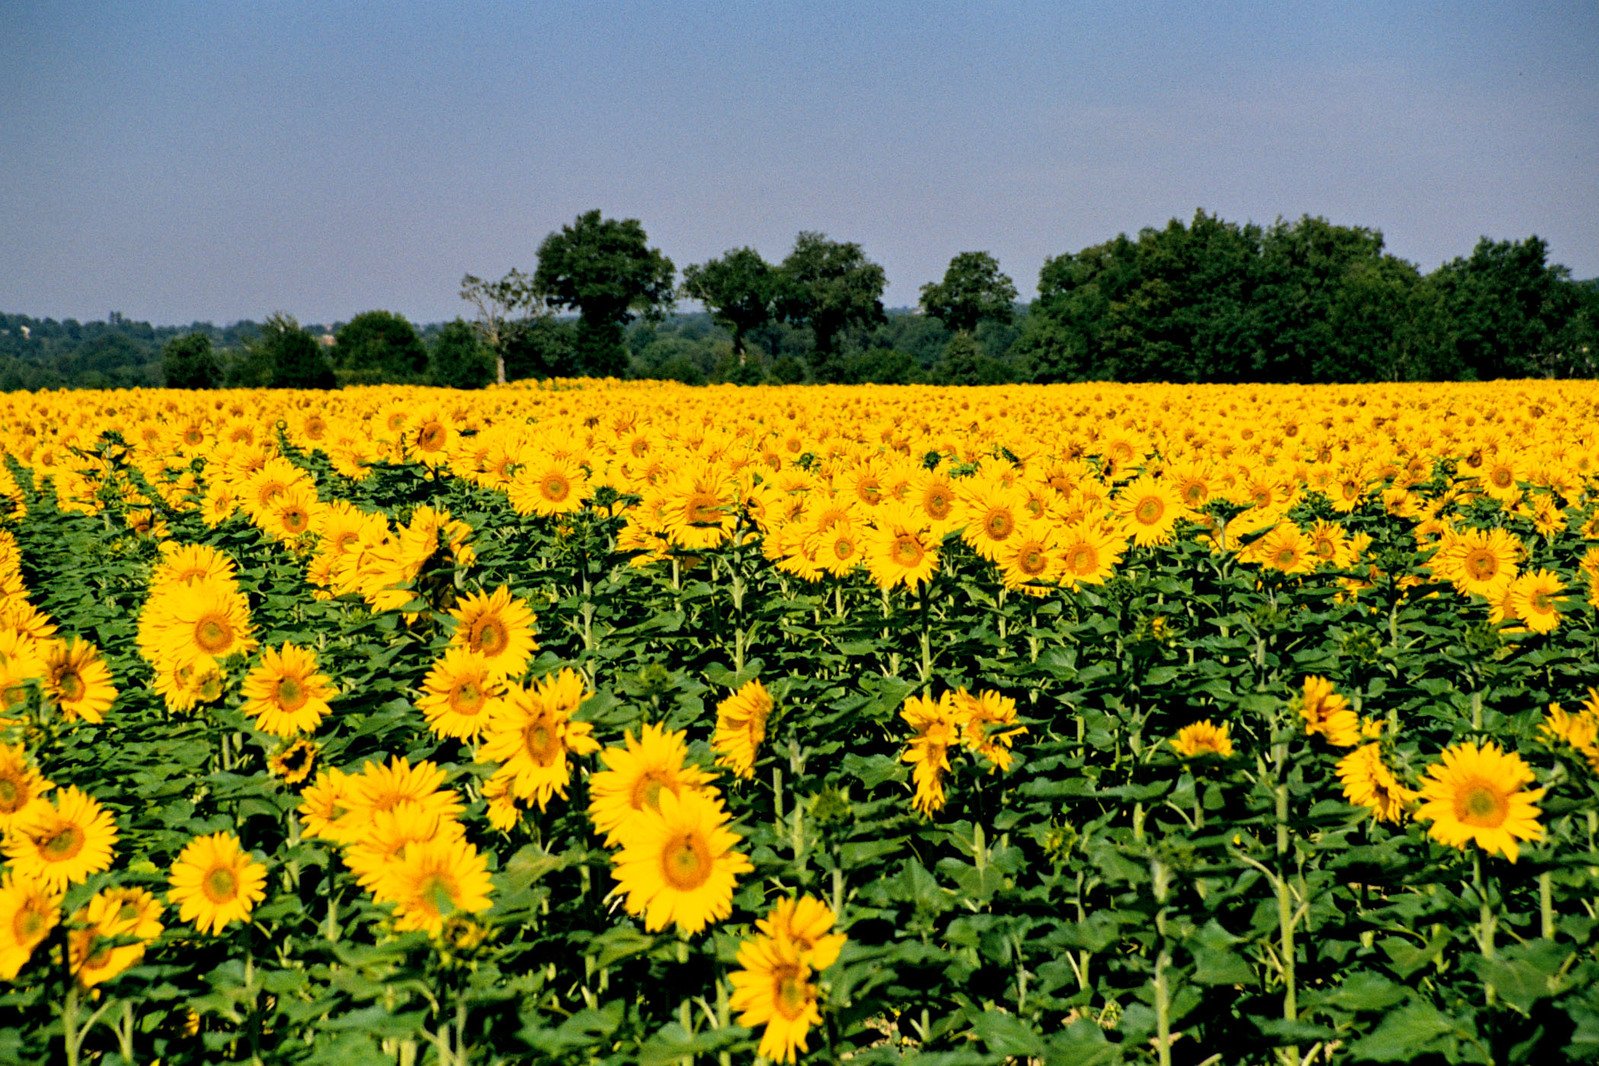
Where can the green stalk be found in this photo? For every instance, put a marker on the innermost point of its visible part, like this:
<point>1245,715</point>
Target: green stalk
<point>1160,875</point>
<point>1487,922</point>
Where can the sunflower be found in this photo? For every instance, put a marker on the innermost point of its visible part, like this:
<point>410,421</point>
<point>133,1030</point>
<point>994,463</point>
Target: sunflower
<point>532,732</point>
<point>76,679</point>
<point>1534,598</point>
<point>1285,549</point>
<point>29,910</point>
<point>1149,510</point>
<point>62,843</point>
<point>292,514</point>
<point>635,775</point>
<point>111,933</point>
<point>677,865</point>
<point>215,882</point>
<point>293,762</point>
<point>773,988</point>
<point>388,832</point>
<point>200,622</point>
<point>1368,782</point>
<point>182,563</point>
<point>1479,562</point>
<point>382,787</point>
<point>741,728</point>
<point>933,493</point>
<point>499,627</point>
<point>284,693</point>
<point>988,725</point>
<point>700,507</point>
<point>1476,795</point>
<point>326,804</point>
<point>432,880</point>
<point>1030,561</point>
<point>549,486</point>
<point>1328,713</point>
<point>899,547</point>
<point>804,922</point>
<point>1089,552</point>
<point>937,728</point>
<point>22,787</point>
<point>460,693</point>
<point>1204,738</point>
<point>993,511</point>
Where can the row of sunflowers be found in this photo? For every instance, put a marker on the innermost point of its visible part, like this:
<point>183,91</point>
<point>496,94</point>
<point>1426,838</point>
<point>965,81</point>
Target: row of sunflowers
<point>628,722</point>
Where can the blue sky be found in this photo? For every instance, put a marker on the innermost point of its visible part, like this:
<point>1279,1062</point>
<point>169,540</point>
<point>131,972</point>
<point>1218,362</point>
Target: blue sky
<point>218,161</point>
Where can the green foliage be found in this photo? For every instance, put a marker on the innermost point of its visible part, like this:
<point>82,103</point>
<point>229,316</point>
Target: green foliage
<point>972,291</point>
<point>189,362</point>
<point>738,289</point>
<point>829,286</point>
<point>290,356</point>
<point>604,269</point>
<point>458,360</point>
<point>379,348</point>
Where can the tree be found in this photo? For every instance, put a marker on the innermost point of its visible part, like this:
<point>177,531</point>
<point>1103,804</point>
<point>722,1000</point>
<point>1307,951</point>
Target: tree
<point>496,302</point>
<point>1502,311</point>
<point>829,286</point>
<point>379,347</point>
<point>189,362</point>
<point>738,290</point>
<point>291,356</point>
<point>972,291</point>
<point>603,269</point>
<point>458,359</point>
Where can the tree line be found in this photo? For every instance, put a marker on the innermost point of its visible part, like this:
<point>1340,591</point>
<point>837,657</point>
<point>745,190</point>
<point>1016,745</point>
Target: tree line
<point>1205,300</point>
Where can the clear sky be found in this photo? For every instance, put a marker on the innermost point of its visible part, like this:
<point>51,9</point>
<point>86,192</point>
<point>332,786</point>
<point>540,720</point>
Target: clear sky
<point>219,160</point>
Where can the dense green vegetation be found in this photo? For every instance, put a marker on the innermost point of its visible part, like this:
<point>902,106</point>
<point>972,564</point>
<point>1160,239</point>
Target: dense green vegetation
<point>1206,300</point>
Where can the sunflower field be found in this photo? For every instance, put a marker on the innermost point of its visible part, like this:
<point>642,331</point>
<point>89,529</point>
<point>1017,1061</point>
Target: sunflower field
<point>621,722</point>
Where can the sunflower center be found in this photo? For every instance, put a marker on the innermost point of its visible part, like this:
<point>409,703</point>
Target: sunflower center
<point>1149,510</point>
<point>62,845</point>
<point>1480,564</point>
<point>1032,561</point>
<point>1193,494</point>
<point>432,437</point>
<point>790,994</point>
<point>11,794</point>
<point>686,862</point>
<point>488,637</point>
<point>937,503</point>
<point>1502,477</point>
<point>647,789</point>
<point>907,551</point>
<point>1083,559</point>
<point>70,685</point>
<point>221,885</point>
<point>1480,804</point>
<point>1287,556</point>
<point>556,488</point>
<point>30,923</point>
<point>702,509</point>
<point>296,520</point>
<point>292,693</point>
<point>999,524</point>
<point>1543,602</point>
<point>843,548</point>
<point>468,698</point>
<point>543,743</point>
<point>213,634</point>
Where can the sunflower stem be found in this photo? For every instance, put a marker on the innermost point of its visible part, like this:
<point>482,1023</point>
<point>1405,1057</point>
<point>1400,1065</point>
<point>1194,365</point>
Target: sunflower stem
<point>1546,906</point>
<point>1486,921</point>
<point>1160,875</point>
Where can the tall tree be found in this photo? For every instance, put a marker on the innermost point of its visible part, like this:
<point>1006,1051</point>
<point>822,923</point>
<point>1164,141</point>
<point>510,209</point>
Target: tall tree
<point>379,347</point>
<point>458,359</point>
<point>189,362</point>
<point>738,290</point>
<point>605,270</point>
<point>291,356</point>
<point>1502,311</point>
<point>829,286</point>
<point>973,290</point>
<point>497,304</point>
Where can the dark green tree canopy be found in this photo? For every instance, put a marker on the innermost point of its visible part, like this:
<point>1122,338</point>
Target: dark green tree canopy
<point>377,347</point>
<point>829,286</point>
<point>290,356</point>
<point>190,362</point>
<point>738,289</point>
<point>458,359</point>
<point>972,291</point>
<point>605,270</point>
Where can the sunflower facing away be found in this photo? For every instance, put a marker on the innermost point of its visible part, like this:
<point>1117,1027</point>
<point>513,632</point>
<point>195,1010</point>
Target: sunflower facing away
<point>1204,738</point>
<point>1327,713</point>
<point>937,728</point>
<point>1476,795</point>
<point>1370,783</point>
<point>741,728</point>
<point>215,882</point>
<point>677,865</point>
